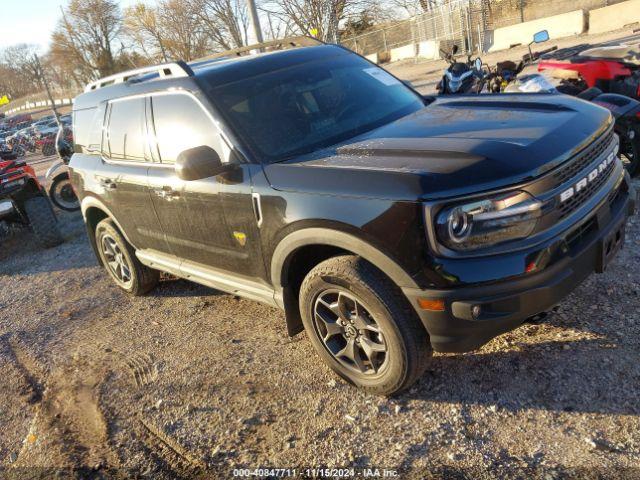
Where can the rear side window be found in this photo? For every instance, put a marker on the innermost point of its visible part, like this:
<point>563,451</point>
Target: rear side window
<point>181,124</point>
<point>95,130</point>
<point>126,136</point>
<point>82,120</point>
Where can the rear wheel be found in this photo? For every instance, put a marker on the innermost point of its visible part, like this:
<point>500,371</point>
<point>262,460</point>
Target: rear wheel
<point>628,153</point>
<point>43,221</point>
<point>62,194</point>
<point>362,326</point>
<point>120,261</point>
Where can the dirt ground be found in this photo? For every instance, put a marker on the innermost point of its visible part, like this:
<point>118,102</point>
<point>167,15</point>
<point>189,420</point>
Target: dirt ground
<point>190,382</point>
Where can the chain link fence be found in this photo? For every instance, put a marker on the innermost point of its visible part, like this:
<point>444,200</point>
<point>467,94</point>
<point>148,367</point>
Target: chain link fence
<point>466,23</point>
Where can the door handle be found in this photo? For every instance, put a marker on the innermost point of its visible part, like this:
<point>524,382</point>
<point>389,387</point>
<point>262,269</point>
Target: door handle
<point>167,193</point>
<point>108,183</point>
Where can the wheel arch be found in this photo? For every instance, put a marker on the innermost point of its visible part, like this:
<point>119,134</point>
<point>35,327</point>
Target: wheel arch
<point>311,246</point>
<point>93,212</point>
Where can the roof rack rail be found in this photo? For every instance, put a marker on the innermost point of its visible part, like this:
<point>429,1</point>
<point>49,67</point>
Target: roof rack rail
<point>280,44</point>
<point>174,70</point>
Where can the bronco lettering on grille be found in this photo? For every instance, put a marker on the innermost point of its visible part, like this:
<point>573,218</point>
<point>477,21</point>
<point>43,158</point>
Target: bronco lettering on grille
<point>571,191</point>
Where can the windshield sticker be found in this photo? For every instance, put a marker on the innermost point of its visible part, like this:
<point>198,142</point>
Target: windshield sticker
<point>382,76</point>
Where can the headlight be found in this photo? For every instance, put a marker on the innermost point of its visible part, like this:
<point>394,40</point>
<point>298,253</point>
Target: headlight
<point>488,221</point>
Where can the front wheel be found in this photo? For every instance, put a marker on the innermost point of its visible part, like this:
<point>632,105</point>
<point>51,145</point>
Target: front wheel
<point>362,326</point>
<point>120,261</point>
<point>62,194</point>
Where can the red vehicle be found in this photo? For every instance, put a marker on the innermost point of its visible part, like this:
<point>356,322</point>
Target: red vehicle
<point>23,201</point>
<point>612,69</point>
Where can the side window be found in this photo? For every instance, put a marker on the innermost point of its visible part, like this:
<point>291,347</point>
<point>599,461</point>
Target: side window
<point>181,124</point>
<point>126,136</point>
<point>95,130</point>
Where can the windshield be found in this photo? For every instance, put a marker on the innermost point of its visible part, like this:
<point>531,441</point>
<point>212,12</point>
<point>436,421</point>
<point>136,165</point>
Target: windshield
<point>314,105</point>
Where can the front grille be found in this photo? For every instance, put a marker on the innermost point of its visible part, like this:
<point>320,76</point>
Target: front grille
<point>583,195</point>
<point>584,158</point>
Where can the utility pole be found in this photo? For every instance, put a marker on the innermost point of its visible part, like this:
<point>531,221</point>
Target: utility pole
<point>43,79</point>
<point>255,20</point>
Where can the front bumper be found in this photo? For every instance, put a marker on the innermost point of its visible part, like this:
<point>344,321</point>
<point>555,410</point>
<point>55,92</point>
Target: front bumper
<point>505,304</point>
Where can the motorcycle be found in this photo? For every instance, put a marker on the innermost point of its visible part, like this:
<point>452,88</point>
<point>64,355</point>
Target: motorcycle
<point>461,77</point>
<point>507,71</point>
<point>59,187</point>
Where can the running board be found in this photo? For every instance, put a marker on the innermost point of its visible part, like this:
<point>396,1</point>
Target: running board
<point>210,277</point>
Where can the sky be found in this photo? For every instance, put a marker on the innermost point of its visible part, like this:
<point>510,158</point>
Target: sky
<point>31,21</point>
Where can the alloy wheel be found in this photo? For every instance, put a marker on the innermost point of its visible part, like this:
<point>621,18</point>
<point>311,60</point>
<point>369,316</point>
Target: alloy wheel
<point>349,332</point>
<point>116,261</point>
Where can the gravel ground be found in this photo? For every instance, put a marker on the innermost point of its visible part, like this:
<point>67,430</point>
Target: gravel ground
<point>189,381</point>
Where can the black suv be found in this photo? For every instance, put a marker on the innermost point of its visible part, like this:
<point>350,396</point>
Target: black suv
<point>384,223</point>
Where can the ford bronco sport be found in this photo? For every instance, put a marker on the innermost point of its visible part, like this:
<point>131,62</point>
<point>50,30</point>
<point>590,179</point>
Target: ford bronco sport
<point>384,223</point>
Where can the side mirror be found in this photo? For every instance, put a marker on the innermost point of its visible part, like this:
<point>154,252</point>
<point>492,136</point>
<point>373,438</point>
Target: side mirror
<point>199,162</point>
<point>454,49</point>
<point>478,64</point>
<point>541,36</point>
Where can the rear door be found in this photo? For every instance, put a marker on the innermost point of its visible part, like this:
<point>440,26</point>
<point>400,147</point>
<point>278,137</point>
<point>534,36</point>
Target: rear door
<point>208,221</point>
<point>123,174</point>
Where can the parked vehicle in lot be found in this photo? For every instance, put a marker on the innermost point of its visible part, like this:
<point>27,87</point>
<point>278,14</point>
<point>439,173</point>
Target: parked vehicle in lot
<point>612,69</point>
<point>59,188</point>
<point>461,77</point>
<point>510,76</point>
<point>384,223</point>
<point>23,201</point>
<point>625,110</point>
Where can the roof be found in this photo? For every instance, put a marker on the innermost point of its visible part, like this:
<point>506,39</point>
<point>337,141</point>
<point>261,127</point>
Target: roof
<point>214,70</point>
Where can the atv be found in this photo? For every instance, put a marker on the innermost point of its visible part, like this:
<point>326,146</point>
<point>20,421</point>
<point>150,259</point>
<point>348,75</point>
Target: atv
<point>23,201</point>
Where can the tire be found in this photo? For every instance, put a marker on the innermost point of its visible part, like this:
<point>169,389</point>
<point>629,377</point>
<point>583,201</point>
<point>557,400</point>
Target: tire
<point>332,291</point>
<point>43,221</point>
<point>115,252</point>
<point>62,195</point>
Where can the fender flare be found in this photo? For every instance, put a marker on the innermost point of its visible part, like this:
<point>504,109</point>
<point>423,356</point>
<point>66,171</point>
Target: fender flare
<point>324,236</point>
<point>89,202</point>
<point>56,169</point>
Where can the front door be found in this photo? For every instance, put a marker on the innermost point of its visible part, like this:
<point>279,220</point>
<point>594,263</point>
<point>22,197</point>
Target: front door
<point>205,221</point>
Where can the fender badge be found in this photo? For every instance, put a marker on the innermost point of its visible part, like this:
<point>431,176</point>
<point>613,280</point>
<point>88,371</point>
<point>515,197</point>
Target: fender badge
<point>241,238</point>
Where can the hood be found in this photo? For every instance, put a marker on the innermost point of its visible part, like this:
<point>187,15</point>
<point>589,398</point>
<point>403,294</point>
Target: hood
<point>456,145</point>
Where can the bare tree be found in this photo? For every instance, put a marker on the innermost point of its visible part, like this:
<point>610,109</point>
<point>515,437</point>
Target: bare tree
<point>323,18</point>
<point>142,27</point>
<point>226,22</point>
<point>86,35</point>
<point>172,29</point>
<point>182,30</point>
<point>18,72</point>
